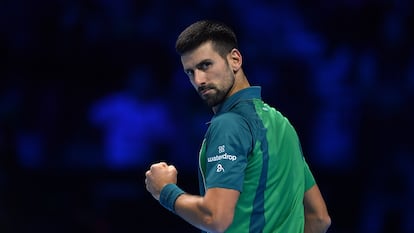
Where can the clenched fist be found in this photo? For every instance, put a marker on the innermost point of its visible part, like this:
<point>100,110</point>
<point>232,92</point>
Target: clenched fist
<point>159,175</point>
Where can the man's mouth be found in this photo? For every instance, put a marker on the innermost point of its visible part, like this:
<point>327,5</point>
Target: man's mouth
<point>204,90</point>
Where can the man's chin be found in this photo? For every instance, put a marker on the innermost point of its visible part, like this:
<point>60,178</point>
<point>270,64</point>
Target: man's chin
<point>211,102</point>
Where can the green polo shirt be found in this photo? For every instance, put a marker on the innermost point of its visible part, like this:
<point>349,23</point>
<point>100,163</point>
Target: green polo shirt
<point>251,147</point>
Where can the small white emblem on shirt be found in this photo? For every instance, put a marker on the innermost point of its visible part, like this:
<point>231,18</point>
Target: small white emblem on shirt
<point>221,149</point>
<point>220,168</point>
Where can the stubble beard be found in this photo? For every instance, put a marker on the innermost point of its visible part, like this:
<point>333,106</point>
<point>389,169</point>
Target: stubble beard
<point>216,98</point>
<point>219,96</point>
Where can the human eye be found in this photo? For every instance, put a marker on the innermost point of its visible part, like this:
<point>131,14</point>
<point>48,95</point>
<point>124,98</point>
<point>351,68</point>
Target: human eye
<point>204,65</point>
<point>189,73</point>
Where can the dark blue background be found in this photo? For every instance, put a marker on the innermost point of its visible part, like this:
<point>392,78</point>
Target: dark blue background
<point>92,93</point>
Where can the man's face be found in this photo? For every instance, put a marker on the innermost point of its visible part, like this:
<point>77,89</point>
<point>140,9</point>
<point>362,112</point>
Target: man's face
<point>209,73</point>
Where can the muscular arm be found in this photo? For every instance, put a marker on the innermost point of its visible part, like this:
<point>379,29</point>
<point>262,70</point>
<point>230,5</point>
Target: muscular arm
<point>213,213</point>
<point>317,219</point>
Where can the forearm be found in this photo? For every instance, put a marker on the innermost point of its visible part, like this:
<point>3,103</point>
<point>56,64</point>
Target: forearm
<point>193,209</point>
<point>207,212</point>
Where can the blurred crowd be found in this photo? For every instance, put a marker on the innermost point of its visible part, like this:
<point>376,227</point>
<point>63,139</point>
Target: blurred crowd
<point>92,92</point>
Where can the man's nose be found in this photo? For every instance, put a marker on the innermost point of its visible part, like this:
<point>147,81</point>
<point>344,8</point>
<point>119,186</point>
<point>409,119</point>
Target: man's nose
<point>199,77</point>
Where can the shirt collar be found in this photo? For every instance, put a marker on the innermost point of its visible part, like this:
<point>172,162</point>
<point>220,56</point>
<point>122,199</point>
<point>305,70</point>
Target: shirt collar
<point>253,92</point>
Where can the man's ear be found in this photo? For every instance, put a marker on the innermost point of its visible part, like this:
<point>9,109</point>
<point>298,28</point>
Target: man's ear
<point>235,59</point>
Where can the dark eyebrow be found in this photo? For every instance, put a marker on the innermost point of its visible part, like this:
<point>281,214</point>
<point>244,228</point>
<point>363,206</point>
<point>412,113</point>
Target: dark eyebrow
<point>203,61</point>
<point>207,60</point>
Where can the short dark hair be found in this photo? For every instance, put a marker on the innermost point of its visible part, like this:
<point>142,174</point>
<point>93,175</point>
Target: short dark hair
<point>221,35</point>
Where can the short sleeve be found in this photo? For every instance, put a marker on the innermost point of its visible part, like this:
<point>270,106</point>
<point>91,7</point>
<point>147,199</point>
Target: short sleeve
<point>228,143</point>
<point>309,179</point>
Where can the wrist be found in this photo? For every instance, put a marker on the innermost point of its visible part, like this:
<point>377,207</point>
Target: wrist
<point>168,195</point>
